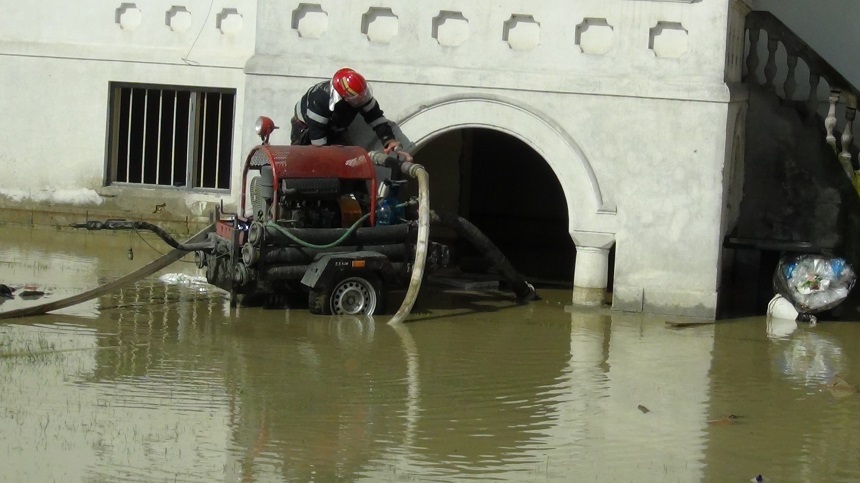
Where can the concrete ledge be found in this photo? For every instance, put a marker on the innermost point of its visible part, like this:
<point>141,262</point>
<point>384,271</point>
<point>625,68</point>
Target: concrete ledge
<point>179,212</point>
<point>62,217</point>
<point>470,282</point>
<point>291,65</point>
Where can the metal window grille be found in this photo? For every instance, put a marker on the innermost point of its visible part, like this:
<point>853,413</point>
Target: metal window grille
<point>165,136</point>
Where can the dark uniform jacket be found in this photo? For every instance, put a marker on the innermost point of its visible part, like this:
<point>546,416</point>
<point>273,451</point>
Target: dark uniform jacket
<point>318,125</point>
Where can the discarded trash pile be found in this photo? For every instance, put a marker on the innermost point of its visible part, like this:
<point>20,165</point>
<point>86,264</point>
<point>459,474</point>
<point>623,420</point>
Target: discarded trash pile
<point>811,283</point>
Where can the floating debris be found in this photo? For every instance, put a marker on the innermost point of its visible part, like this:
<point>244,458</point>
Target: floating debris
<point>839,387</point>
<point>30,292</point>
<point>689,323</point>
<point>730,419</point>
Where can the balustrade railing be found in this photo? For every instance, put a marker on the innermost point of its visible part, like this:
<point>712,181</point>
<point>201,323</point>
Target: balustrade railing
<point>841,91</point>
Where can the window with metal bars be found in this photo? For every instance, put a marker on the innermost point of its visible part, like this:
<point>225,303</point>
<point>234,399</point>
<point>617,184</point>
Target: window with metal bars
<point>171,136</point>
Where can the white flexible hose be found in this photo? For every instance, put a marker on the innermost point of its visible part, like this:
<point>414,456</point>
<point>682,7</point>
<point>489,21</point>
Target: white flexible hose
<point>417,171</point>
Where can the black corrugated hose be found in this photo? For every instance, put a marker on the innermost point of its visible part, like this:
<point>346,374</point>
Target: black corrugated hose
<point>143,225</point>
<point>522,289</point>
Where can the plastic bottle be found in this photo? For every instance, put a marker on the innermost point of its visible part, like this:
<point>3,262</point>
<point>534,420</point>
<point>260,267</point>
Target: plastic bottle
<point>384,213</point>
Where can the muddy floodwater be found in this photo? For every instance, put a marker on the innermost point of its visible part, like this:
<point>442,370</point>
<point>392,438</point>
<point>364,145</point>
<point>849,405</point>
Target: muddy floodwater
<point>162,381</point>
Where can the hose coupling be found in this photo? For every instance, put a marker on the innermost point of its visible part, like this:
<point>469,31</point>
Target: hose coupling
<point>410,169</point>
<point>379,158</point>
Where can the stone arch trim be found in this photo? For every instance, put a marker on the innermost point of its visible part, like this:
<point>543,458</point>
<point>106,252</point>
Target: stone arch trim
<point>564,156</point>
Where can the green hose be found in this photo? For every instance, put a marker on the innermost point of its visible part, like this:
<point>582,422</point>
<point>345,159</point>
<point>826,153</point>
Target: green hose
<point>305,244</point>
<point>335,243</point>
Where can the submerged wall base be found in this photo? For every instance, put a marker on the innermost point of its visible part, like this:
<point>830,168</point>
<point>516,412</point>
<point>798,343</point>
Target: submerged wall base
<point>666,302</point>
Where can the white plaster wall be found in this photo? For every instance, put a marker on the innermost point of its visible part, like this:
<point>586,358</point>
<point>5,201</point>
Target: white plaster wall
<point>637,141</point>
<point>60,119</point>
<point>58,58</point>
<point>90,30</point>
<point>556,63</point>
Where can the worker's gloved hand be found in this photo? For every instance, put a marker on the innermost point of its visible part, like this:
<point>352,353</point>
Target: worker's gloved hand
<point>404,157</point>
<point>393,160</point>
<point>392,145</point>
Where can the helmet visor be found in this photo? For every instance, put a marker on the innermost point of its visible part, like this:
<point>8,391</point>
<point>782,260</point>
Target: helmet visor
<point>358,99</point>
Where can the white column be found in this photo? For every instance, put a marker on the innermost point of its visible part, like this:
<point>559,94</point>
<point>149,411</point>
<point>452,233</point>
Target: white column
<point>591,272</point>
<point>590,275</point>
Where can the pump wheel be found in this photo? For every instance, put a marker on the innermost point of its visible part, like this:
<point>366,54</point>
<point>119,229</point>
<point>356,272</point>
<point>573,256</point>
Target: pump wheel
<point>349,295</point>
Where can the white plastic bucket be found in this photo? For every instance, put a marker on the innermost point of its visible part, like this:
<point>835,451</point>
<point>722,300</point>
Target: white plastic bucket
<point>780,308</point>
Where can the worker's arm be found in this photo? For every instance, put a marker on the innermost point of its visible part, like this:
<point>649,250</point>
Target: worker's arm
<point>373,116</point>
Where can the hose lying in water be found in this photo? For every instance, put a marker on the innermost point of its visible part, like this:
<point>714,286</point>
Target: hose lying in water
<point>142,225</point>
<point>522,289</point>
<point>145,271</point>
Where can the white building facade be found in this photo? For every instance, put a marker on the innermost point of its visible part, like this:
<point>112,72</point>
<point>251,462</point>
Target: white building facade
<point>147,108</point>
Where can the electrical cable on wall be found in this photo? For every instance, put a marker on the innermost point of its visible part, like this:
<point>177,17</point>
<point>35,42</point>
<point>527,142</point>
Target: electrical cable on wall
<point>185,57</point>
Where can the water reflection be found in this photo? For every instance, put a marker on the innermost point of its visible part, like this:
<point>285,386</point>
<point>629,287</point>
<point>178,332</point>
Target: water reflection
<point>625,393</point>
<point>163,381</point>
<point>808,358</point>
<point>793,429</point>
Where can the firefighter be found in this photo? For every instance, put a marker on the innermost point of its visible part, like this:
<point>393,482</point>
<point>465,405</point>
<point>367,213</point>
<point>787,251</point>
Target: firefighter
<point>326,110</point>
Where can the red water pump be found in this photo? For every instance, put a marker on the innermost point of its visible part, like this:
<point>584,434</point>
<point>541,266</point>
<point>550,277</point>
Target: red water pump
<point>307,225</point>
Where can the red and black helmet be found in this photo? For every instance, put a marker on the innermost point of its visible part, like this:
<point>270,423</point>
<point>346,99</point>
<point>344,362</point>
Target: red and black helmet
<point>350,86</point>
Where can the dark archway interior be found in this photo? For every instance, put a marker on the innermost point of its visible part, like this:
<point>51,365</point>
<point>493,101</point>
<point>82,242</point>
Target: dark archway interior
<point>510,193</point>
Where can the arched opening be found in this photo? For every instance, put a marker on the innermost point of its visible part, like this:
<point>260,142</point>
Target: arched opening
<point>553,183</point>
<point>506,189</point>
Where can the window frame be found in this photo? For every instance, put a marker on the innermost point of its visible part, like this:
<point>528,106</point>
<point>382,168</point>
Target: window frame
<point>196,122</point>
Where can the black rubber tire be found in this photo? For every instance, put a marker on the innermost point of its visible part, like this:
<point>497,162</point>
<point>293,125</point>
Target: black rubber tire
<point>349,294</point>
